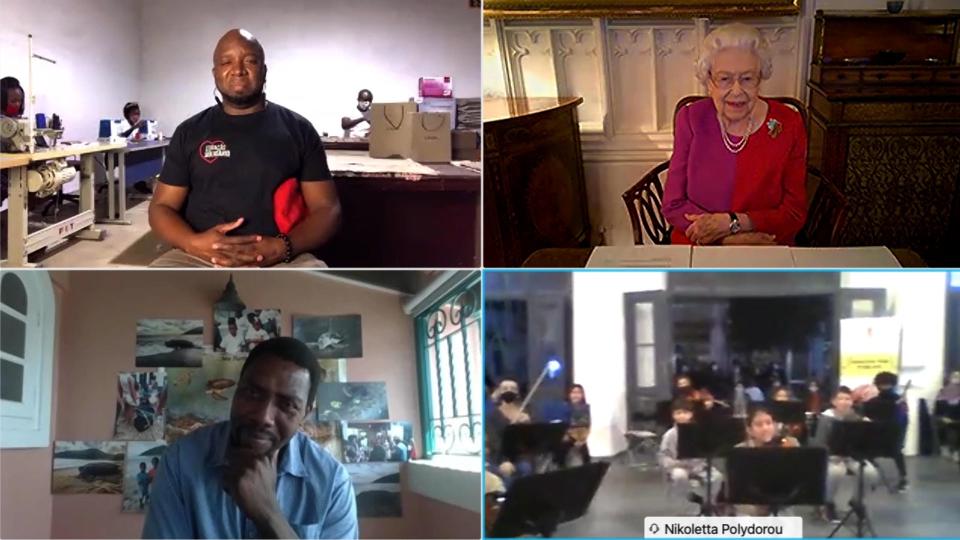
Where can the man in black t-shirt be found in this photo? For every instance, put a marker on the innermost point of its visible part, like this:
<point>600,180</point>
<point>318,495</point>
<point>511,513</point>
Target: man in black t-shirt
<point>214,202</point>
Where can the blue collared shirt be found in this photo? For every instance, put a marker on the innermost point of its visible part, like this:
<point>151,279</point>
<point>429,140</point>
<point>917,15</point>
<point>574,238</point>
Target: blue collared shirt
<point>187,499</point>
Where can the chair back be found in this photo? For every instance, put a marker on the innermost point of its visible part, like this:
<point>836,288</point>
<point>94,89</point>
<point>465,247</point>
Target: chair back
<point>644,202</point>
<point>826,214</point>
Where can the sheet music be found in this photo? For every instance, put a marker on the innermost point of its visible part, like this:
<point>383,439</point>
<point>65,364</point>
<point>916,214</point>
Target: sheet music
<point>640,257</point>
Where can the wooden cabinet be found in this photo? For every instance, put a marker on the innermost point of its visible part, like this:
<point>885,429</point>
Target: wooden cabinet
<point>885,126</point>
<point>533,180</point>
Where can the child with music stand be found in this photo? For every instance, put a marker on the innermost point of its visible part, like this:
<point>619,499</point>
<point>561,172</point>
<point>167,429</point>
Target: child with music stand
<point>840,468</point>
<point>685,472</point>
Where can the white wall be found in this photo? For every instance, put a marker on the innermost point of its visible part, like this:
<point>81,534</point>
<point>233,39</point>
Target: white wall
<point>598,349</point>
<point>96,45</point>
<point>918,301</point>
<point>319,53</point>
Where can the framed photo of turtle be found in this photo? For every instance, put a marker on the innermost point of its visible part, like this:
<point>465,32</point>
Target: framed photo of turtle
<point>169,343</point>
<point>141,402</point>
<point>352,401</point>
<point>199,397</point>
<point>87,467</point>
<point>332,336</point>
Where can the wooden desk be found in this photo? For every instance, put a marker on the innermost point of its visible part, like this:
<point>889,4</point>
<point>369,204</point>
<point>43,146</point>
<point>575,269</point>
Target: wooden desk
<point>578,257</point>
<point>407,221</point>
<point>346,143</point>
<point>535,194</point>
<point>20,241</point>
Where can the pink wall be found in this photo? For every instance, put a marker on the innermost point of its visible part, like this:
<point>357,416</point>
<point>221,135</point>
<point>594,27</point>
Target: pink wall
<point>26,506</point>
<point>97,339</point>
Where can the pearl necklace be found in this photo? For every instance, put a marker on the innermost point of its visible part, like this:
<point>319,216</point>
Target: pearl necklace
<point>732,147</point>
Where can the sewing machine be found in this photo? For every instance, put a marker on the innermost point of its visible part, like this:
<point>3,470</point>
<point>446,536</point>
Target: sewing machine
<point>15,136</point>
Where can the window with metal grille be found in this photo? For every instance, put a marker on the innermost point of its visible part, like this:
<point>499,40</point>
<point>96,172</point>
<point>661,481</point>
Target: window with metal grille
<point>451,377</point>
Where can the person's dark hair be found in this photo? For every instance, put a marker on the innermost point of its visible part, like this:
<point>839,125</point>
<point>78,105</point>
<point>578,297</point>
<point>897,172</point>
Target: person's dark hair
<point>681,404</point>
<point>232,320</point>
<point>753,412</point>
<point>885,378</point>
<point>129,108</point>
<point>143,465</point>
<point>582,391</point>
<point>292,350</point>
<point>7,84</point>
<point>843,390</point>
<point>155,460</point>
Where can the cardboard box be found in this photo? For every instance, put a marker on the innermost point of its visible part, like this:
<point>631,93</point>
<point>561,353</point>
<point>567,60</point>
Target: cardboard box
<point>436,87</point>
<point>444,105</point>
<point>431,138</point>
<point>466,144</point>
<point>390,129</point>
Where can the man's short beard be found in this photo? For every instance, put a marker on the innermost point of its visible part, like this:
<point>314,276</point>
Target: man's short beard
<point>243,102</point>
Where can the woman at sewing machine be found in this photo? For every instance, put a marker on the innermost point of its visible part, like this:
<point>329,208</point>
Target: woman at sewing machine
<point>12,95</point>
<point>131,121</point>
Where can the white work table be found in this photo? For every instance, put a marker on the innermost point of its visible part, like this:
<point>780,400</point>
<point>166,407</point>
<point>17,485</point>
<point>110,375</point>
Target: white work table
<point>20,241</point>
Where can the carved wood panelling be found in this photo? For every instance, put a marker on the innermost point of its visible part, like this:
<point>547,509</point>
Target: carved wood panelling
<point>632,80</point>
<point>531,62</point>
<point>676,53</point>
<point>493,84</point>
<point>647,65</point>
<point>579,71</point>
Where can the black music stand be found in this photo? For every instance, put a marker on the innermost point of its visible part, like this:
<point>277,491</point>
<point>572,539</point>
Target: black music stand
<point>862,441</point>
<point>777,477</point>
<point>708,440</point>
<point>532,439</point>
<point>537,504</point>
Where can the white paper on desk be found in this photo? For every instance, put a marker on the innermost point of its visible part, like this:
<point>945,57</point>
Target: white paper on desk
<point>741,257</point>
<point>640,257</point>
<point>360,162</point>
<point>844,257</point>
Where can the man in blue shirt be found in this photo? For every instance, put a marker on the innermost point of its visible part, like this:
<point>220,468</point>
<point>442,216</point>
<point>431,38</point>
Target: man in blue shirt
<point>256,475</point>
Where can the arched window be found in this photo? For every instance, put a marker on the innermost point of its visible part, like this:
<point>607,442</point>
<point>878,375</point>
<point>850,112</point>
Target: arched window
<point>26,358</point>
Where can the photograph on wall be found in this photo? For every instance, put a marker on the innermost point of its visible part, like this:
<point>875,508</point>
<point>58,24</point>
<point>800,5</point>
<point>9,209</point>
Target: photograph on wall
<point>336,336</point>
<point>169,343</point>
<point>373,454</point>
<point>87,467</point>
<point>141,401</point>
<point>352,401</point>
<point>328,434</point>
<point>377,441</point>
<point>199,397</point>
<point>333,370</point>
<point>236,333</point>
<point>139,470</point>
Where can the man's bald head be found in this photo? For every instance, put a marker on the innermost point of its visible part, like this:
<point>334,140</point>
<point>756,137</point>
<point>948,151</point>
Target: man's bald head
<point>240,71</point>
<point>241,37</point>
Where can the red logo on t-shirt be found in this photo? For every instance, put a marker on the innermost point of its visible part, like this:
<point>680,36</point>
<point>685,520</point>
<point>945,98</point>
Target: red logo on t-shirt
<point>210,151</point>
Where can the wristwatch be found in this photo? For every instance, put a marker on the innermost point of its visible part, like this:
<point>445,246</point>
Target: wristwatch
<point>734,223</point>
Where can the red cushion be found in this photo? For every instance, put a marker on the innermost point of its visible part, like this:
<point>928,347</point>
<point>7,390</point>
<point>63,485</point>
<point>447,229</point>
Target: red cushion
<point>289,207</point>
